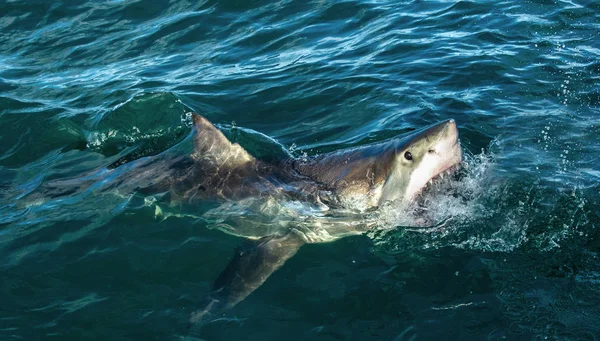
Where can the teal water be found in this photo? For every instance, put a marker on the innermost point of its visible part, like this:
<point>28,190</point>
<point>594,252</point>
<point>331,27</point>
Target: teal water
<point>90,85</point>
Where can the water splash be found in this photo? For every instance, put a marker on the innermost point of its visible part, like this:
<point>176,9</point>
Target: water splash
<point>447,212</point>
<point>477,209</point>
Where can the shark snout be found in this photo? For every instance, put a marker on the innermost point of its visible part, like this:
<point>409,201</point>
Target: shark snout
<point>448,130</point>
<point>451,129</point>
<point>448,148</point>
<point>448,143</point>
<point>451,133</point>
<point>443,137</point>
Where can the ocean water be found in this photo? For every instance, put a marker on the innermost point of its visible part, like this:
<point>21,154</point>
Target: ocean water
<point>87,86</point>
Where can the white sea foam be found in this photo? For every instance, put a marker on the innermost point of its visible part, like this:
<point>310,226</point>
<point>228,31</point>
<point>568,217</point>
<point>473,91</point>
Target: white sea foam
<point>464,210</point>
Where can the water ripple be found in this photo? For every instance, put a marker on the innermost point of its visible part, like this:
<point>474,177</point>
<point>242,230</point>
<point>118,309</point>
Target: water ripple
<point>86,86</point>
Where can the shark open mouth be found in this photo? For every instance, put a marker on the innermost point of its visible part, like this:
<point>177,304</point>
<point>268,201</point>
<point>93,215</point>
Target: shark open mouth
<point>441,181</point>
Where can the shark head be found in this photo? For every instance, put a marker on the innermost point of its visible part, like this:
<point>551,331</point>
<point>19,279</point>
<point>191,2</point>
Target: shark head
<point>396,170</point>
<point>420,157</point>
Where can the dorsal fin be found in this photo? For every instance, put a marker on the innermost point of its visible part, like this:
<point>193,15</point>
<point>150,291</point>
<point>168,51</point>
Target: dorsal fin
<point>211,145</point>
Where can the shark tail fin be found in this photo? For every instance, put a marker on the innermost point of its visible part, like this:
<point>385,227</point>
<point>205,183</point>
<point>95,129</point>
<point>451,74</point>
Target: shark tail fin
<point>210,145</point>
<point>250,267</point>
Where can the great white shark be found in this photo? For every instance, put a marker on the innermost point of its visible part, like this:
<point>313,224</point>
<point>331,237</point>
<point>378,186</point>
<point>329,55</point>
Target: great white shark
<point>363,178</point>
<point>352,181</point>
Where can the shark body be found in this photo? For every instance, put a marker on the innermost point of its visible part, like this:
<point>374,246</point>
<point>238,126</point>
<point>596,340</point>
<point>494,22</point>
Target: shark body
<point>356,179</point>
<point>352,181</point>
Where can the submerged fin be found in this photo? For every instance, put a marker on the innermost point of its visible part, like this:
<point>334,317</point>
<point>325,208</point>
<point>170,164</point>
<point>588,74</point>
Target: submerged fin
<point>250,267</point>
<point>210,145</point>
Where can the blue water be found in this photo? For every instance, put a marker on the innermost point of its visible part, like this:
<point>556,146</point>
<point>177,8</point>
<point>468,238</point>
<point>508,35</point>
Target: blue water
<point>86,86</point>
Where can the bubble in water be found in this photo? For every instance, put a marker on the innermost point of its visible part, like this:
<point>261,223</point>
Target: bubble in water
<point>186,118</point>
<point>292,148</point>
<point>304,156</point>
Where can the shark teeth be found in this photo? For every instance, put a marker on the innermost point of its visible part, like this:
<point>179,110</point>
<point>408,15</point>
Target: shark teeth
<point>438,179</point>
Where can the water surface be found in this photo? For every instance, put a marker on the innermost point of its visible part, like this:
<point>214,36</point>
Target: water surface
<point>90,85</point>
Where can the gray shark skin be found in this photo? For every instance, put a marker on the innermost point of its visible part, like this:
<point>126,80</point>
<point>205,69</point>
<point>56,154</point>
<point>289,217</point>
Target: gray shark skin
<point>360,179</point>
<point>341,185</point>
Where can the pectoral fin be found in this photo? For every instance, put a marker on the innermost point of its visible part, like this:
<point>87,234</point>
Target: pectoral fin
<point>249,268</point>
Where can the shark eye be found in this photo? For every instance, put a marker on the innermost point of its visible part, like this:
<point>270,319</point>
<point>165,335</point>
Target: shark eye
<point>431,151</point>
<point>408,156</point>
